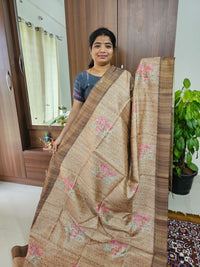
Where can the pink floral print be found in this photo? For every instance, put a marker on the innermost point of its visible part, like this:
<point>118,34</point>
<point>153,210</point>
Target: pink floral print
<point>116,249</point>
<point>68,186</point>
<point>34,253</point>
<point>141,222</point>
<point>134,113</point>
<point>146,151</point>
<point>134,109</point>
<point>133,191</point>
<point>146,72</point>
<point>104,172</point>
<point>76,232</point>
<point>102,127</point>
<point>104,212</point>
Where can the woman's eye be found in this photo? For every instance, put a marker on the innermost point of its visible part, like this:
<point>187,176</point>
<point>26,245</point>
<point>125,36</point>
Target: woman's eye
<point>108,46</point>
<point>97,46</point>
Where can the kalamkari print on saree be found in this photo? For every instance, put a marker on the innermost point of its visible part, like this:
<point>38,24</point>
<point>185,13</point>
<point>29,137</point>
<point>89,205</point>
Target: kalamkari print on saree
<point>76,232</point>
<point>68,186</point>
<point>134,190</point>
<point>116,249</point>
<point>102,127</point>
<point>146,151</point>
<point>146,73</point>
<point>141,223</point>
<point>104,173</point>
<point>104,212</point>
<point>34,254</point>
<point>134,113</point>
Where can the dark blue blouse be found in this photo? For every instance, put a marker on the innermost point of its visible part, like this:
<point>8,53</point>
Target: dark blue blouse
<point>83,84</point>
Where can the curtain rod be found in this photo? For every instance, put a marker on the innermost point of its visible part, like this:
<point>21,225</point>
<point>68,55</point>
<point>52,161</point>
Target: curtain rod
<point>30,24</point>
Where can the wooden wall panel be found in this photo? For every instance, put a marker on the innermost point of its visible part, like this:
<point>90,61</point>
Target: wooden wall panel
<point>146,28</point>
<point>82,18</point>
<point>11,156</point>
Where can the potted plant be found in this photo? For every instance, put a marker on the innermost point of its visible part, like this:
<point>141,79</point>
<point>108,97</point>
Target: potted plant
<point>186,134</point>
<point>62,117</point>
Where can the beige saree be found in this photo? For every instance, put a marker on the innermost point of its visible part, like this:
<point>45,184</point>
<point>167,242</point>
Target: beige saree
<point>105,197</point>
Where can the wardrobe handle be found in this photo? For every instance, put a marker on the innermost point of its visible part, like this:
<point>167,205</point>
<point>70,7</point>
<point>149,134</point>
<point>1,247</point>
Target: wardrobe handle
<point>21,64</point>
<point>9,81</point>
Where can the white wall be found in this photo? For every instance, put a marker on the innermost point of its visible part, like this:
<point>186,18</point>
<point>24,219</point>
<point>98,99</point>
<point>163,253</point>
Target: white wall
<point>53,14</point>
<point>187,46</point>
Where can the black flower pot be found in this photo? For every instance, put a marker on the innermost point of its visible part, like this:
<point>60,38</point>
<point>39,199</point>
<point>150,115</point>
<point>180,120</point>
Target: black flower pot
<point>182,185</point>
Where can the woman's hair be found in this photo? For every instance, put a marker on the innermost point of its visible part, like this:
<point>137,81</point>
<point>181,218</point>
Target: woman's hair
<point>100,32</point>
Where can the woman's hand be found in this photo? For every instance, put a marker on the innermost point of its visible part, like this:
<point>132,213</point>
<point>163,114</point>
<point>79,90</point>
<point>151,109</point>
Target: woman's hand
<point>56,143</point>
<point>75,110</point>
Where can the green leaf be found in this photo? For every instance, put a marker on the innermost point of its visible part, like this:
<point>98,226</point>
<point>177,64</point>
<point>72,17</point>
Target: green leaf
<point>197,132</point>
<point>177,153</point>
<point>177,132</point>
<point>188,158</point>
<point>189,113</point>
<point>187,96</point>
<point>193,167</point>
<point>190,144</point>
<point>187,134</point>
<point>178,170</point>
<point>186,83</point>
<point>197,99</point>
<point>180,143</point>
<point>194,124</point>
<point>189,124</point>
<point>177,96</point>
<point>181,110</point>
<point>197,93</point>
<point>195,114</point>
<point>198,122</point>
<point>196,143</point>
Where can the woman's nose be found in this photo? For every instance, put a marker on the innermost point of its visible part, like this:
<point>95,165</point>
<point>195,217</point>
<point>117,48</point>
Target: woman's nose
<point>102,48</point>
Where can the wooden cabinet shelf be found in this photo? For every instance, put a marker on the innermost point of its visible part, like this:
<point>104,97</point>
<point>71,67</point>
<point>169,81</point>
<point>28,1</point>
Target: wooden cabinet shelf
<point>36,165</point>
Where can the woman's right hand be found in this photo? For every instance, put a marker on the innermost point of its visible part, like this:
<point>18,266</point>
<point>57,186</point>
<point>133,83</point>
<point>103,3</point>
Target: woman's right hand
<point>56,143</point>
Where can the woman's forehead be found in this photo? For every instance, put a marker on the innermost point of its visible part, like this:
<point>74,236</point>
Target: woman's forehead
<point>102,39</point>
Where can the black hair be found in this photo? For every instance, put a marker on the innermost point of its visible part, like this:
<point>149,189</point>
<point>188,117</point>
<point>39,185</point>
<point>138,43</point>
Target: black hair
<point>100,32</point>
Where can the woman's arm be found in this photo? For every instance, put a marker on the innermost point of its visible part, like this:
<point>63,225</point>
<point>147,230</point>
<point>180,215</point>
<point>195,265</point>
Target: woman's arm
<point>77,105</point>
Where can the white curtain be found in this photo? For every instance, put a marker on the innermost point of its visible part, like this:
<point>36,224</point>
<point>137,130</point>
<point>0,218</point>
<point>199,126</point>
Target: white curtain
<point>41,69</point>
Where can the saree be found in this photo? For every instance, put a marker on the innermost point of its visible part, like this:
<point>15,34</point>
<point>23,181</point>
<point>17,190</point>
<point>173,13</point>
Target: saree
<point>105,197</point>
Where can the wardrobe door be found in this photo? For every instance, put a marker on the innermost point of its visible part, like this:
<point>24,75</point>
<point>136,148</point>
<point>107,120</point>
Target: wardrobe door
<point>146,28</point>
<point>11,157</point>
<point>83,17</point>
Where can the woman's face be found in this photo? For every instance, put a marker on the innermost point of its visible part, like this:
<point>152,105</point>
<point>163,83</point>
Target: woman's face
<point>102,50</point>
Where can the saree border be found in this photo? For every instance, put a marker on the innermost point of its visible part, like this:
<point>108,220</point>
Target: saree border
<point>163,160</point>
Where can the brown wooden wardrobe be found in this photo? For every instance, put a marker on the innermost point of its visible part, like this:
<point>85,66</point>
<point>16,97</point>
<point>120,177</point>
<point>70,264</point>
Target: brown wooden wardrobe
<point>143,28</point>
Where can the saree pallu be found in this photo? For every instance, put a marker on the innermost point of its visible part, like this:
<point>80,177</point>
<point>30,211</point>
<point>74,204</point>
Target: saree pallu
<point>105,198</point>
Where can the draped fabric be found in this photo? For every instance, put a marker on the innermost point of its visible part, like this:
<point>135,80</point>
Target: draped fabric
<point>41,69</point>
<point>104,202</point>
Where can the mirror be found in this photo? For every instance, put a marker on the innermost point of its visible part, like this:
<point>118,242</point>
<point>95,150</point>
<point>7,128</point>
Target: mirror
<point>44,58</point>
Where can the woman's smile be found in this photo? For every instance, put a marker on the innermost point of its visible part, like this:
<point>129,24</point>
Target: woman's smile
<point>102,56</point>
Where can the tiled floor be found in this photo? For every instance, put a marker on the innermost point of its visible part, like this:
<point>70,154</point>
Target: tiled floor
<point>17,206</point>
<point>18,203</point>
<point>187,203</point>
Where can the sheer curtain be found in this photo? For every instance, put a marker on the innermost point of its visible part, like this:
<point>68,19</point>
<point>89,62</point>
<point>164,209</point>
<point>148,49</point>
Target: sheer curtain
<point>41,69</point>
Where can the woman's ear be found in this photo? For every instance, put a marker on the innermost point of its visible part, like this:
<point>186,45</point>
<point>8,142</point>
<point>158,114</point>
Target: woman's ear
<point>90,49</point>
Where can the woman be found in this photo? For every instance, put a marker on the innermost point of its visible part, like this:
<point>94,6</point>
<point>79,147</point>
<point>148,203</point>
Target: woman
<point>101,45</point>
<point>98,204</point>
